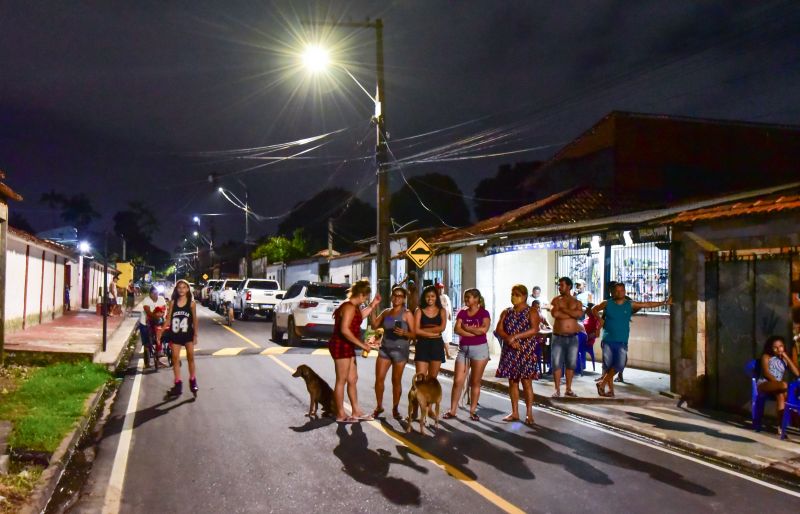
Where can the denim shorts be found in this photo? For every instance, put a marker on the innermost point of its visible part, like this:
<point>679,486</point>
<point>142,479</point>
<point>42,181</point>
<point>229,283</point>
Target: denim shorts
<point>396,350</point>
<point>564,351</point>
<point>473,352</point>
<point>615,354</point>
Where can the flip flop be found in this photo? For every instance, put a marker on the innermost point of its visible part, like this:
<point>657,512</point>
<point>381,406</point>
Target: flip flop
<point>510,418</point>
<point>556,395</point>
<point>600,390</point>
<point>396,414</point>
<point>377,412</point>
<point>571,394</point>
<point>365,417</point>
<point>447,415</point>
<point>347,420</point>
<point>474,417</point>
<point>529,422</point>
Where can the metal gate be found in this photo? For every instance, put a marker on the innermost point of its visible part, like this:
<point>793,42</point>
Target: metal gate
<point>747,300</point>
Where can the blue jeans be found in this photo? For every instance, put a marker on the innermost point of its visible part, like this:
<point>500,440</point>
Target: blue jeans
<point>615,354</point>
<point>144,333</point>
<point>564,352</point>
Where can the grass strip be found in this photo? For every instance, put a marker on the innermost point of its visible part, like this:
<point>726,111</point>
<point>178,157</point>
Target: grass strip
<point>47,405</point>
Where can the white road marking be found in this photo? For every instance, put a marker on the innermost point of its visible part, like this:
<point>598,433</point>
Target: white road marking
<point>649,445</point>
<point>113,498</point>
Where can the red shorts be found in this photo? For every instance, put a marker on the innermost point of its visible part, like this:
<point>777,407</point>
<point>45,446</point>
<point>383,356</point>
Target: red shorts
<point>341,349</point>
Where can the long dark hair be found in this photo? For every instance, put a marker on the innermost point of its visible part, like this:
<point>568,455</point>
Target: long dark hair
<point>769,342</point>
<point>425,291</point>
<point>175,296</point>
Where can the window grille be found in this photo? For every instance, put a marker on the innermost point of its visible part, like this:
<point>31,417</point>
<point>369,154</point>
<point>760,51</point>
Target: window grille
<point>586,265</point>
<point>644,269</point>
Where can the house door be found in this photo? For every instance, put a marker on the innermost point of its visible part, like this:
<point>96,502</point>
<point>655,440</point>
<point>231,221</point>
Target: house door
<point>747,301</point>
<point>67,283</point>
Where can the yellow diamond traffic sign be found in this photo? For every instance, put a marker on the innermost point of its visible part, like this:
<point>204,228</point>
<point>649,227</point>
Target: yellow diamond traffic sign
<point>205,276</point>
<point>419,252</point>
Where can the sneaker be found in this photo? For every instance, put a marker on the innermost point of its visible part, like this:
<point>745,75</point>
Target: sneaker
<point>193,386</point>
<point>176,390</point>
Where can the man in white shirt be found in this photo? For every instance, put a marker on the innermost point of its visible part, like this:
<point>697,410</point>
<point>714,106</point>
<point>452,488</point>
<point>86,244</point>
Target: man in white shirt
<point>153,309</point>
<point>447,335</point>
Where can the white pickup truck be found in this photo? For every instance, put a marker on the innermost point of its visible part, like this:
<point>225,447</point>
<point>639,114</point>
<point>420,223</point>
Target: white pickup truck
<point>257,297</point>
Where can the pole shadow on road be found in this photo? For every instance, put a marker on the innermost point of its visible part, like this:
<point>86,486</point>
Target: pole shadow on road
<point>114,425</point>
<point>371,467</point>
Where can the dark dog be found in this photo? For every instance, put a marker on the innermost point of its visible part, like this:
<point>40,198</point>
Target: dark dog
<point>320,392</point>
<point>425,392</point>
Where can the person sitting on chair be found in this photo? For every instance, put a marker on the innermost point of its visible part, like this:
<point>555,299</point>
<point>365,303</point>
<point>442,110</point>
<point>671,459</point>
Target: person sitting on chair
<point>772,371</point>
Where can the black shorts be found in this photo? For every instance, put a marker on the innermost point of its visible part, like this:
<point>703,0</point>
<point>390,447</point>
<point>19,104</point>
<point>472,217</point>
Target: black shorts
<point>429,350</point>
<point>168,337</point>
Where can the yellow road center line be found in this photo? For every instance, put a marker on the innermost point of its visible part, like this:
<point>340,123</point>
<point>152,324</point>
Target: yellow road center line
<point>247,340</point>
<point>494,498</point>
<point>275,350</point>
<point>228,351</point>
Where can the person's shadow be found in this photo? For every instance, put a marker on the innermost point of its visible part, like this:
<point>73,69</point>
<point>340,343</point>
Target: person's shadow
<point>679,426</point>
<point>313,424</point>
<point>371,467</point>
<point>114,424</point>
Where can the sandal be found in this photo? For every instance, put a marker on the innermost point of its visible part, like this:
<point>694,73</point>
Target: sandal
<point>396,414</point>
<point>510,418</point>
<point>377,412</point>
<point>529,421</point>
<point>448,415</point>
<point>474,417</point>
<point>348,419</point>
<point>571,394</point>
<point>600,389</point>
<point>365,417</point>
<point>556,395</point>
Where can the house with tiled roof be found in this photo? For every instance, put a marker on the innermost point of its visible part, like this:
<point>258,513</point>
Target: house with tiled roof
<point>627,177</point>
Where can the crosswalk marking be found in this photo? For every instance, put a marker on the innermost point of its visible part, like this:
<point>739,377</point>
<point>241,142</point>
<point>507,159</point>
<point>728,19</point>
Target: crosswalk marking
<point>275,350</point>
<point>228,351</point>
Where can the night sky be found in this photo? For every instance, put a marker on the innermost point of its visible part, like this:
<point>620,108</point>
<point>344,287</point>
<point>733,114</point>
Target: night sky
<point>135,100</point>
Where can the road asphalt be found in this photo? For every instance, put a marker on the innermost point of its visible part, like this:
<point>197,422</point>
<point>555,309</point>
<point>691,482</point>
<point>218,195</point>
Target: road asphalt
<point>245,445</point>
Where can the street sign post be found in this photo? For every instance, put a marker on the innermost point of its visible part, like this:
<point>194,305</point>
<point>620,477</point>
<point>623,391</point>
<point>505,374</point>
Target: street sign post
<point>205,276</point>
<point>419,252</point>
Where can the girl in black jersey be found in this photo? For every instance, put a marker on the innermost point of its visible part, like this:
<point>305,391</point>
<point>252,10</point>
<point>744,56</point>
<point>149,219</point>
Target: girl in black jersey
<point>181,330</point>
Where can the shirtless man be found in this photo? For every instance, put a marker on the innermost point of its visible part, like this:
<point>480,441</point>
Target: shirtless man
<point>566,310</point>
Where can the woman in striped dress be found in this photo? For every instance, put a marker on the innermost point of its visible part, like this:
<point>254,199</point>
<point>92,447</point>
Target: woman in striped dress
<point>518,328</point>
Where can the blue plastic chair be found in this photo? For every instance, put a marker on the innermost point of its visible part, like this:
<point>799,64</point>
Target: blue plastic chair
<point>757,400</point>
<point>792,405</point>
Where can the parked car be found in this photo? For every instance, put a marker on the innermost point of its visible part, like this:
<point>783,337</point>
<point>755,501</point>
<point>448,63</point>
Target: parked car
<point>257,297</point>
<point>227,293</point>
<point>205,294</point>
<point>213,295</point>
<point>306,310</point>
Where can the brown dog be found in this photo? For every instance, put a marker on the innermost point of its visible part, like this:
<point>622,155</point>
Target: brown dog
<point>425,392</point>
<point>320,392</point>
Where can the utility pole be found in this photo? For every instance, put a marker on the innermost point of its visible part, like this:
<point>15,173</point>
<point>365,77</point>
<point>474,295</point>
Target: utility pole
<point>104,308</point>
<point>330,238</point>
<point>124,253</point>
<point>381,155</point>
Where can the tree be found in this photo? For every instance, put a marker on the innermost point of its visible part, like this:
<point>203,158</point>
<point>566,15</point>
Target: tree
<point>137,225</point>
<point>353,220</point>
<point>504,192</point>
<point>282,249</point>
<point>76,210</point>
<point>19,221</point>
<point>439,193</point>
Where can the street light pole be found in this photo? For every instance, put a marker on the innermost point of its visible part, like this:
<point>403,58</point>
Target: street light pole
<point>383,255</point>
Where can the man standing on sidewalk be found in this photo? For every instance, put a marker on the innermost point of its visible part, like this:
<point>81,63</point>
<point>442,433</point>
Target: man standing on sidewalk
<point>566,310</point>
<point>616,325</point>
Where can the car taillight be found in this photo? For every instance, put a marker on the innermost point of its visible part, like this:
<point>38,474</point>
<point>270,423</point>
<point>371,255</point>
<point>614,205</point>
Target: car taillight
<point>248,296</point>
<point>307,304</point>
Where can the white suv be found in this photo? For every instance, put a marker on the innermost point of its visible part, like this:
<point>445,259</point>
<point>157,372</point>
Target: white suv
<point>256,297</point>
<point>226,294</point>
<point>307,311</point>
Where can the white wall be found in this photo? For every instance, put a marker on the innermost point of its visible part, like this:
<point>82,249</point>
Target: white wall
<point>39,297</point>
<point>305,271</point>
<point>648,347</point>
<point>497,274</point>
<point>341,270</point>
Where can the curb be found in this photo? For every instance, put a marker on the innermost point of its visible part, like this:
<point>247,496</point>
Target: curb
<point>765,469</point>
<point>61,458</point>
<point>51,476</point>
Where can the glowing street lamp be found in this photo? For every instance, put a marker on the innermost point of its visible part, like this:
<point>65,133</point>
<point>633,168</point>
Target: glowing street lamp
<point>84,247</point>
<point>316,58</point>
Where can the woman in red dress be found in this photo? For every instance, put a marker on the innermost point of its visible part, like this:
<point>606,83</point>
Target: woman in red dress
<point>346,336</point>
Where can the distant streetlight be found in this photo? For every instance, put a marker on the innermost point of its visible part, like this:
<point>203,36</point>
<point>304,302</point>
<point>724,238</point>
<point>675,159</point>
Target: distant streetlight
<point>196,219</point>
<point>84,247</point>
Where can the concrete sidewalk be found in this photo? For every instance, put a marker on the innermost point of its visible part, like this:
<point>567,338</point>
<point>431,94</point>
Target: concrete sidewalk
<point>76,334</point>
<point>640,408</point>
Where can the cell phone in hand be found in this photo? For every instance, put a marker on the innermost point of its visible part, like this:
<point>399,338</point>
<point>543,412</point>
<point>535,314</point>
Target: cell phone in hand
<point>398,324</point>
